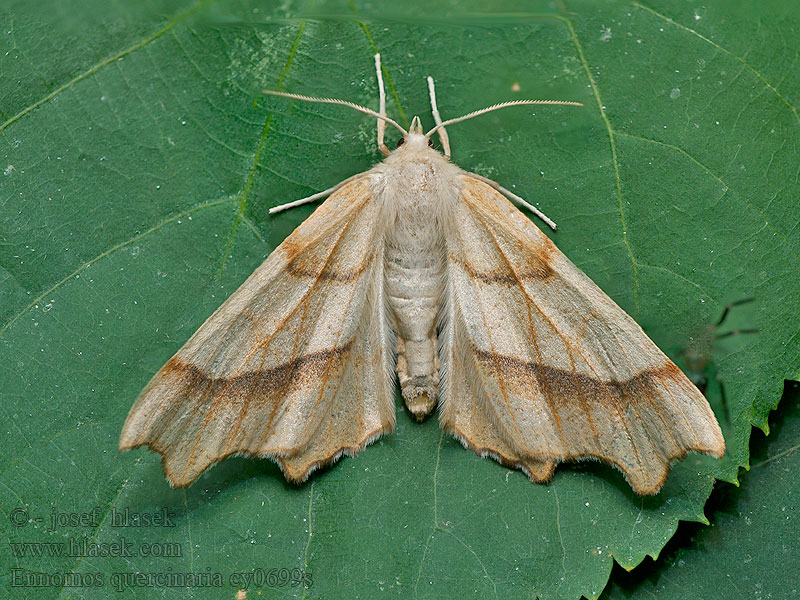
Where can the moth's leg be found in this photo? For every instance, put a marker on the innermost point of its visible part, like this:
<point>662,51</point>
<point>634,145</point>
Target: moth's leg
<point>512,196</point>
<point>382,107</point>
<point>313,197</point>
<point>436,117</point>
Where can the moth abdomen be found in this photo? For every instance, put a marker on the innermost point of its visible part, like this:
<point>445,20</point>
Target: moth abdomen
<point>418,372</point>
<point>414,274</point>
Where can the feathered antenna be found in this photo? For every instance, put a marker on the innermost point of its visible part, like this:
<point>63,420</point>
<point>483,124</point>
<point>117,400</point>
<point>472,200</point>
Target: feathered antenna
<point>483,111</point>
<point>358,107</point>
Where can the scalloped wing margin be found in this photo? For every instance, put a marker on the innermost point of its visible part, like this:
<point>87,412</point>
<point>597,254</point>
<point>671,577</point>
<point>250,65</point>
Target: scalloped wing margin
<point>540,366</point>
<point>296,365</point>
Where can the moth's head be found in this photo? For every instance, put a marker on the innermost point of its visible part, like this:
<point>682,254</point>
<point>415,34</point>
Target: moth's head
<point>415,139</point>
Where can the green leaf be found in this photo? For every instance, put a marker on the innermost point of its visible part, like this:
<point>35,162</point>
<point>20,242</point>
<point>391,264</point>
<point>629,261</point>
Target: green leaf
<point>139,162</point>
<point>750,549</point>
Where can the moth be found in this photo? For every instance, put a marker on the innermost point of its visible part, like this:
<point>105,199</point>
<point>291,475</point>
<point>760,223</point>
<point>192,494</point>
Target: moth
<point>419,268</point>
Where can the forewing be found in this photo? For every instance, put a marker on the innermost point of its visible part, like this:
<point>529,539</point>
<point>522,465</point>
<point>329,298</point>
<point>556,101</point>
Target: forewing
<point>294,365</point>
<point>540,357</point>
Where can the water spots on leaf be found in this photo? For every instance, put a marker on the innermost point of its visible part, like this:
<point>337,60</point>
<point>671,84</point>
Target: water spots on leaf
<point>255,65</point>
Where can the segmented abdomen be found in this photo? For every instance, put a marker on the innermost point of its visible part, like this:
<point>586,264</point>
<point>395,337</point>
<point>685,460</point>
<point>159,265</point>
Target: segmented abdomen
<point>414,277</point>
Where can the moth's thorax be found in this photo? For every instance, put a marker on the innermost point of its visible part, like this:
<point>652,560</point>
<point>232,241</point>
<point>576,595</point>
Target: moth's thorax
<point>417,177</point>
<point>417,187</point>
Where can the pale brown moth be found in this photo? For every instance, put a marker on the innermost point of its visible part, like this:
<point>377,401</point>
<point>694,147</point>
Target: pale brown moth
<point>420,268</point>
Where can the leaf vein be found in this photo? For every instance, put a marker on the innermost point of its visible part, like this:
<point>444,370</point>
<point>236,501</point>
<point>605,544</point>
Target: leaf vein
<point>94,69</point>
<point>111,250</point>
<point>257,156</point>
<point>612,142</point>
<point>741,59</point>
<point>722,182</point>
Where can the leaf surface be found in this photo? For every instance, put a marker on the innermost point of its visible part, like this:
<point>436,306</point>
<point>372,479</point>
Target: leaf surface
<point>139,162</point>
<point>750,548</point>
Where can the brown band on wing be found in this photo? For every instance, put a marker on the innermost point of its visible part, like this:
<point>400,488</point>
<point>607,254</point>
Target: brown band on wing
<point>296,269</point>
<point>307,260</point>
<point>494,217</point>
<point>266,382</point>
<point>327,217</point>
<point>538,270</point>
<point>564,384</point>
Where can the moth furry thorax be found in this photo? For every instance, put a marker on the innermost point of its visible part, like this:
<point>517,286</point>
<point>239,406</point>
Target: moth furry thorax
<point>419,268</point>
<point>416,178</point>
